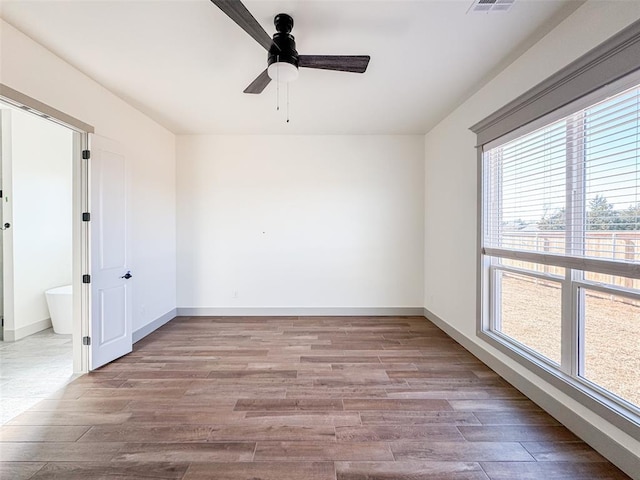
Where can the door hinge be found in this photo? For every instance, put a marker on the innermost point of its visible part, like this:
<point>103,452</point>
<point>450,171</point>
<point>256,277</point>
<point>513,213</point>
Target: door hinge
<point>86,217</point>
<point>86,154</point>
<point>86,278</point>
<point>86,340</point>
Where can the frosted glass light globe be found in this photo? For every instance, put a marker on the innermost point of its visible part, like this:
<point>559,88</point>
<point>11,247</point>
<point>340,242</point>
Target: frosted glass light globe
<point>282,72</point>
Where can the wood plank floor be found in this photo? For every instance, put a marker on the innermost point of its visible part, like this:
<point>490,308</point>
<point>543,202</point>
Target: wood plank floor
<point>309,398</point>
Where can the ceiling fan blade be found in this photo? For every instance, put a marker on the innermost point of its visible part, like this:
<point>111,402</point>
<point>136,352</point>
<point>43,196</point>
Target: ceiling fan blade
<point>342,63</point>
<point>239,14</point>
<point>259,84</point>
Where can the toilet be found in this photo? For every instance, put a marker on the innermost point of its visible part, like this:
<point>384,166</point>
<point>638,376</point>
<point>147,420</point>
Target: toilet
<point>60,303</point>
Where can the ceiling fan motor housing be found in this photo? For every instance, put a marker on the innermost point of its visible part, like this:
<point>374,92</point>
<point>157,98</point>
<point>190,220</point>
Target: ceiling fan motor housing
<point>283,48</point>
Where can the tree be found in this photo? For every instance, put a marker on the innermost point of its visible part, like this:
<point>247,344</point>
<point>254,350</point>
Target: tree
<point>601,215</point>
<point>629,218</point>
<point>555,221</point>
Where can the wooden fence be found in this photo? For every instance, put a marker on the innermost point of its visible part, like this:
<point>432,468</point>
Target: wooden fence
<point>616,244</point>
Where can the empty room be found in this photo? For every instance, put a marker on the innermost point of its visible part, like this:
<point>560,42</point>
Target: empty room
<point>322,240</point>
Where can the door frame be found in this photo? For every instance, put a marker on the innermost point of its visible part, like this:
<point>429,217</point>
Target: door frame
<point>81,253</point>
<point>81,238</point>
<point>7,237</point>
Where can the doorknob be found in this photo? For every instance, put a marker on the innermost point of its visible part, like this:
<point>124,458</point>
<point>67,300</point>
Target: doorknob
<point>6,226</point>
<point>127,275</point>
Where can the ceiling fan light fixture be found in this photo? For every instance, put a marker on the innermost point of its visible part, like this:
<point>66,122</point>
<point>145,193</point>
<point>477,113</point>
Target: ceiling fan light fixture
<point>282,72</point>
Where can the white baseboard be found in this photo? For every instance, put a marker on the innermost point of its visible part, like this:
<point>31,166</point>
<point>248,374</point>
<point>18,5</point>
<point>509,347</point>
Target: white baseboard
<point>298,311</point>
<point>154,325</point>
<point>623,458</point>
<point>14,335</point>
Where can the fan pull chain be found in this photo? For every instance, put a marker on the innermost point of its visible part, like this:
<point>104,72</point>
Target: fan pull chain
<point>287,103</point>
<point>278,83</point>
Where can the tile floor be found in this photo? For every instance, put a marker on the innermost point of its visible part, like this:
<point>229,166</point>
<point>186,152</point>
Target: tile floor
<point>32,369</point>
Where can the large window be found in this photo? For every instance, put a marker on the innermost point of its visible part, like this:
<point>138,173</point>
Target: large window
<point>561,243</point>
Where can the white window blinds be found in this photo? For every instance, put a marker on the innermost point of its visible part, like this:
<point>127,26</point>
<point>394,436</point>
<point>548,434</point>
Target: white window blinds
<point>570,188</point>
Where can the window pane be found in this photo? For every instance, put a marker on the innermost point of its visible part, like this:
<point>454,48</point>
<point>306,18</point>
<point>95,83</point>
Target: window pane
<point>612,184</point>
<point>571,187</point>
<point>612,343</point>
<point>535,324</point>
<point>611,179</point>
<point>525,192</point>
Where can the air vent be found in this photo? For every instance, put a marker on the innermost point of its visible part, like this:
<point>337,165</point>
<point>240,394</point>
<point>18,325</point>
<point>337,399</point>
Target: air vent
<point>490,6</point>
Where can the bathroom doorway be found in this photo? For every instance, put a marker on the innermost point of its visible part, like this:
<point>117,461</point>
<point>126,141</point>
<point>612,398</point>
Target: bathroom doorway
<point>100,286</point>
<point>36,351</point>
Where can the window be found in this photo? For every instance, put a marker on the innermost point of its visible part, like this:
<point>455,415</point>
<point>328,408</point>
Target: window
<point>561,242</point>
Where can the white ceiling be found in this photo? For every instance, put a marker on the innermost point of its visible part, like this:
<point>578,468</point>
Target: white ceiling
<point>185,64</point>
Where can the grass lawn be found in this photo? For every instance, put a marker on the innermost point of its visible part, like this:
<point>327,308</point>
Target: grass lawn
<point>531,315</point>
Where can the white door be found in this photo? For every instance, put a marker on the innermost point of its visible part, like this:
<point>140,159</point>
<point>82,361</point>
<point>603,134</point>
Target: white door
<point>111,307</point>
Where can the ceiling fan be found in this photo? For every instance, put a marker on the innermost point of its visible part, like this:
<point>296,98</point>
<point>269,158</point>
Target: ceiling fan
<point>283,60</point>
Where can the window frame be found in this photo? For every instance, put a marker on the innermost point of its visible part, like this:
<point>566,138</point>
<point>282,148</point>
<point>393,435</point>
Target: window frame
<point>601,68</point>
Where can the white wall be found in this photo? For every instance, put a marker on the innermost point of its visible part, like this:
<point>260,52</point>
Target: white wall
<point>450,179</point>
<point>300,221</point>
<point>39,195</point>
<point>150,150</point>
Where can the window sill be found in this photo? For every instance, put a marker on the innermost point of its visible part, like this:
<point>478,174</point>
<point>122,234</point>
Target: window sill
<point>624,418</point>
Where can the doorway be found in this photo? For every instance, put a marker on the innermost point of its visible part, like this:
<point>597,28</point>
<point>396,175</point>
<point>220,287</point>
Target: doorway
<point>40,250</point>
<point>101,286</point>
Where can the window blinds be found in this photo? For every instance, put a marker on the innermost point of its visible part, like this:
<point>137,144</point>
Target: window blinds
<point>570,188</point>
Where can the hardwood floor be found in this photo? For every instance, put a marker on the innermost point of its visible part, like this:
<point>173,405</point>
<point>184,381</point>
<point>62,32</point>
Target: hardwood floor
<point>311,398</point>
